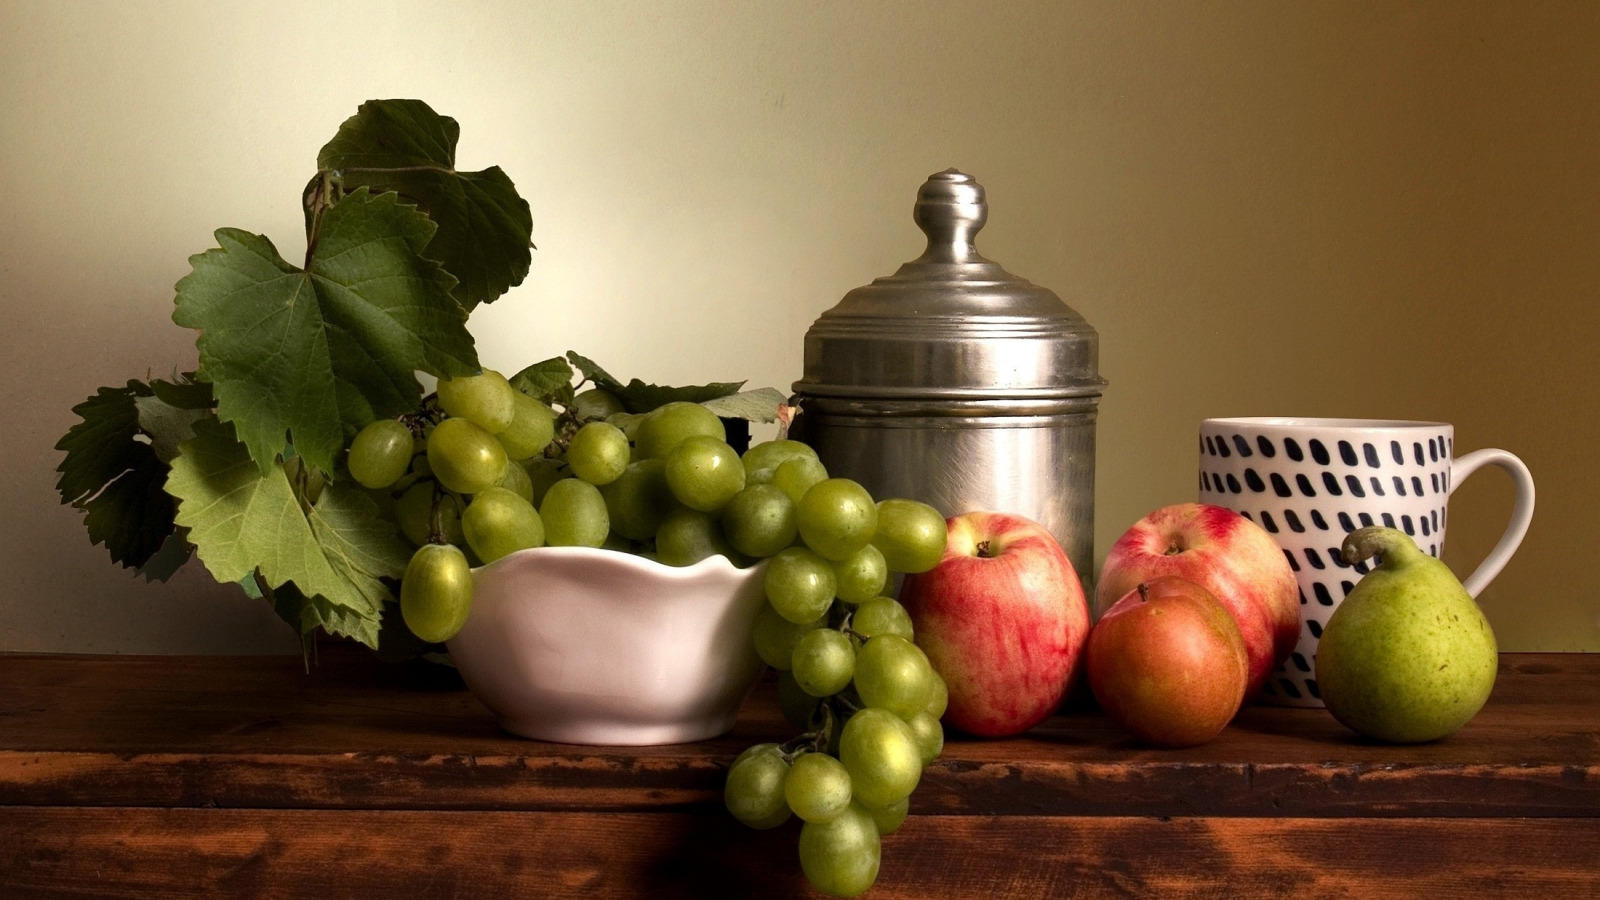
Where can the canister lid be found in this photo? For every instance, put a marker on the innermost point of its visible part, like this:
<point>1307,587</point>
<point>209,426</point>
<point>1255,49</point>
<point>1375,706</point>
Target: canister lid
<point>950,323</point>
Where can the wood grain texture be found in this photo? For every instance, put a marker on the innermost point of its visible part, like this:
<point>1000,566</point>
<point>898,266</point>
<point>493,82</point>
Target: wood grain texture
<point>259,732</point>
<point>149,854</point>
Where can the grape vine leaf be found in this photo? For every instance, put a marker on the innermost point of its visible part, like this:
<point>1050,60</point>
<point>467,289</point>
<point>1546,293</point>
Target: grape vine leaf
<point>311,355</point>
<point>307,613</point>
<point>242,521</point>
<point>759,405</point>
<point>112,473</point>
<point>485,227</point>
<point>543,379</point>
<point>639,397</point>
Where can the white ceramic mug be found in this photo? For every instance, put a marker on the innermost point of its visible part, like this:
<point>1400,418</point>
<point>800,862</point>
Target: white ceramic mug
<point>1309,482</point>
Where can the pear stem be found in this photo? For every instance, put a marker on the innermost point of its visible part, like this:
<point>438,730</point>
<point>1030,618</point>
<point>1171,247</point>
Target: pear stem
<point>1396,547</point>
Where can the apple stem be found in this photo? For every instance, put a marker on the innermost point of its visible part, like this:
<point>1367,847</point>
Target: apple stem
<point>983,550</point>
<point>1144,592</point>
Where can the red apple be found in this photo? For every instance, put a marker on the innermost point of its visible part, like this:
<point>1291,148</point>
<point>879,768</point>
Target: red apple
<point>1228,555</point>
<point>1003,619</point>
<point>1168,664</point>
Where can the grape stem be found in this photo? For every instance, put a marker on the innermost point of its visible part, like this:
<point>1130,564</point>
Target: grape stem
<point>436,516</point>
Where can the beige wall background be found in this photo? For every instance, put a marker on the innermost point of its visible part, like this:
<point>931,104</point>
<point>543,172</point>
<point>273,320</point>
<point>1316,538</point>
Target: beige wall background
<point>1333,209</point>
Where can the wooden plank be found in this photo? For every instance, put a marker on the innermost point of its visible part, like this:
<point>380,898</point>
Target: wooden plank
<point>260,733</point>
<point>148,854</point>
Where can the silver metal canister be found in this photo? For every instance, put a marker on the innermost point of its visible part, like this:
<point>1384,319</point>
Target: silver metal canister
<point>957,383</point>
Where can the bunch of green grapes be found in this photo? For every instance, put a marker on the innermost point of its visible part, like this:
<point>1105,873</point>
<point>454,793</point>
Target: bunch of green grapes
<point>485,470</point>
<point>849,673</point>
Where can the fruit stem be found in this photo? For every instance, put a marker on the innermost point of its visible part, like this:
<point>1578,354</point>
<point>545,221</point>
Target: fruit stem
<point>1396,547</point>
<point>1144,592</point>
<point>983,550</point>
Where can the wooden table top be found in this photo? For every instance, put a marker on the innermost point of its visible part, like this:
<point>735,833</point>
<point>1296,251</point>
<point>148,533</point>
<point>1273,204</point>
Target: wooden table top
<point>356,734</point>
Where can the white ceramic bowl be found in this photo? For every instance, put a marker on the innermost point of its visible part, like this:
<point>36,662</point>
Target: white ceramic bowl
<point>589,646</point>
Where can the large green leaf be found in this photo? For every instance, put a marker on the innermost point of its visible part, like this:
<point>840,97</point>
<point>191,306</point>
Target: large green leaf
<point>242,521</point>
<point>485,228</point>
<point>310,356</point>
<point>112,472</point>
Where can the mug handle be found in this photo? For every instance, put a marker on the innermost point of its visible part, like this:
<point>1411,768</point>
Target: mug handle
<point>1521,513</point>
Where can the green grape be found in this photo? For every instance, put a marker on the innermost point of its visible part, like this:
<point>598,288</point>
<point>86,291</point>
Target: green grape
<point>498,522</point>
<point>892,674</point>
<point>818,787</point>
<point>754,790</point>
<point>775,637</point>
<point>514,478</point>
<point>380,454</point>
<point>862,576</point>
<point>618,543</point>
<point>797,705</point>
<point>413,512</point>
<point>840,857</point>
<point>824,662</point>
<point>436,592</point>
<point>890,818</point>
<point>704,473</point>
<point>911,535</point>
<point>798,475</point>
<point>882,615</point>
<point>837,518</point>
<point>532,427</point>
<point>665,428</point>
<point>881,753</point>
<point>938,698</point>
<point>465,458</point>
<point>598,453</point>
<point>640,501</point>
<point>759,521</point>
<point>596,403</point>
<point>929,734</point>
<point>761,461</point>
<point>574,515</point>
<point>799,584</point>
<point>688,536</point>
<point>541,474</point>
<point>487,400</point>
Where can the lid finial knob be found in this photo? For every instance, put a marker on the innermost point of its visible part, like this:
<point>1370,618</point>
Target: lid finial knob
<point>950,210</point>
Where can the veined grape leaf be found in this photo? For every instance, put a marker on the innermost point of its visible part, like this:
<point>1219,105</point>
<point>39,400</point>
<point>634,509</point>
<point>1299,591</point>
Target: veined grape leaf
<point>115,477</point>
<point>543,379</point>
<point>312,355</point>
<point>241,520</point>
<point>759,405</point>
<point>485,227</point>
<point>639,397</point>
<point>307,613</point>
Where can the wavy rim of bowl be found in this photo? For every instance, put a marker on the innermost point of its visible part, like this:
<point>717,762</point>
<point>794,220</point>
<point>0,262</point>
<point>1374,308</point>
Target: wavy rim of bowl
<point>716,563</point>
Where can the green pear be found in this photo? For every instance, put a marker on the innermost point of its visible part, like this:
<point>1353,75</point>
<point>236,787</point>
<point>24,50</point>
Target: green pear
<point>1408,656</point>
